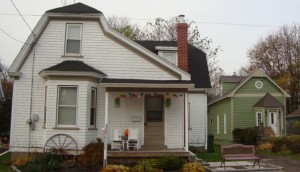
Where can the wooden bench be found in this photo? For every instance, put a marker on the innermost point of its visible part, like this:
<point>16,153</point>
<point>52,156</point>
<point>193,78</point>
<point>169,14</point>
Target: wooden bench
<point>238,152</point>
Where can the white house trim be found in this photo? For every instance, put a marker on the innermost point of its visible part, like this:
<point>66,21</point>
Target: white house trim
<point>45,74</point>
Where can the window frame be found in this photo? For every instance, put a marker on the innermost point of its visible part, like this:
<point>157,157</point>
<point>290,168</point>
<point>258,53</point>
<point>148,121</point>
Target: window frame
<point>66,39</point>
<point>93,107</point>
<point>57,106</point>
<point>225,123</point>
<point>257,122</point>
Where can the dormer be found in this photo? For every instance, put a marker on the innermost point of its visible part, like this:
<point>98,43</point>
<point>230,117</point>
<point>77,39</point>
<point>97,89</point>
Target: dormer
<point>227,83</point>
<point>168,53</point>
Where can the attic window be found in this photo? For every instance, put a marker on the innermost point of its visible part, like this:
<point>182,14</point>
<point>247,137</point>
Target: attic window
<point>73,39</point>
<point>170,56</point>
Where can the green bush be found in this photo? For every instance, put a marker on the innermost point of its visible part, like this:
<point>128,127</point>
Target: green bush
<point>116,168</point>
<point>170,163</point>
<point>192,167</point>
<point>277,143</point>
<point>293,143</point>
<point>146,165</point>
<point>245,136</point>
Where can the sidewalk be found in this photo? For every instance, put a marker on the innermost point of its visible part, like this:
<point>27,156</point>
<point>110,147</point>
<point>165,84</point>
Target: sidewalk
<point>241,166</point>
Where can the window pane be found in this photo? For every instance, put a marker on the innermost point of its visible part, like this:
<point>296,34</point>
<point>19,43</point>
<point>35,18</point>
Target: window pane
<point>154,103</point>
<point>66,116</point>
<point>154,116</point>
<point>92,120</point>
<point>67,96</point>
<point>170,57</point>
<point>73,46</point>
<point>74,32</point>
<point>93,94</point>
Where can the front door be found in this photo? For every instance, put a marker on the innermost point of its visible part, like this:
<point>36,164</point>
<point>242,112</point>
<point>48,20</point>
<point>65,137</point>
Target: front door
<point>273,122</point>
<point>154,123</point>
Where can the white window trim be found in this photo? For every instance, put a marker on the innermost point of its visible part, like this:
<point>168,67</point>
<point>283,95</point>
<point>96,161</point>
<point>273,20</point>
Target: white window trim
<point>161,54</point>
<point>66,38</point>
<point>225,123</point>
<point>257,117</point>
<point>95,107</point>
<point>57,100</point>
<point>218,124</point>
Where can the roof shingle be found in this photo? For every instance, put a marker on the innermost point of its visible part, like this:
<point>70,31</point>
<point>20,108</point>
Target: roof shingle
<point>75,8</point>
<point>268,101</point>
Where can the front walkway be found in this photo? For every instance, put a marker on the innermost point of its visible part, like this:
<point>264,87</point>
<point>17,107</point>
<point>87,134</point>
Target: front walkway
<point>236,166</point>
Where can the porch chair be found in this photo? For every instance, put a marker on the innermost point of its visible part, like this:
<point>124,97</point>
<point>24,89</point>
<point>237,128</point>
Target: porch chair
<point>117,142</point>
<point>133,139</point>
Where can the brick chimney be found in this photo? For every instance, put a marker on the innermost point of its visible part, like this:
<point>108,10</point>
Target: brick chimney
<point>182,44</point>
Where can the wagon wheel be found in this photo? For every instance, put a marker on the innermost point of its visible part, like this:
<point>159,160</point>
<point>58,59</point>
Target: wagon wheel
<point>62,144</point>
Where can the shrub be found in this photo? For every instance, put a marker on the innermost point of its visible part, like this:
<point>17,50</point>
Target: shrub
<point>244,136</point>
<point>192,167</point>
<point>265,147</point>
<point>146,165</point>
<point>22,162</point>
<point>170,163</point>
<point>277,143</point>
<point>293,143</point>
<point>93,154</point>
<point>116,168</point>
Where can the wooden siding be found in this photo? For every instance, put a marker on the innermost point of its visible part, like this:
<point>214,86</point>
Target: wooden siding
<point>219,109</point>
<point>99,52</point>
<point>249,87</point>
<point>227,86</point>
<point>198,118</point>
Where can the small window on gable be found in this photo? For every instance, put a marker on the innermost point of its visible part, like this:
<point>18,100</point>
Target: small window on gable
<point>170,56</point>
<point>73,39</point>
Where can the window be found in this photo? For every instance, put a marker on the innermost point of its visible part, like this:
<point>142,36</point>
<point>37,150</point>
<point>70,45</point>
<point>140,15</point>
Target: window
<point>218,124</point>
<point>154,109</point>
<point>258,84</point>
<point>67,106</point>
<point>272,118</point>
<point>225,124</point>
<point>170,56</point>
<point>211,120</point>
<point>93,107</point>
<point>45,106</point>
<point>258,118</point>
<point>73,38</point>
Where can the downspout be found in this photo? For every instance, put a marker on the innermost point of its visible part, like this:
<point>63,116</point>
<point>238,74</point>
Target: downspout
<point>29,121</point>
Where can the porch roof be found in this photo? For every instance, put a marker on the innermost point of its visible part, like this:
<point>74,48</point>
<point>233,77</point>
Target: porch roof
<point>268,101</point>
<point>144,85</point>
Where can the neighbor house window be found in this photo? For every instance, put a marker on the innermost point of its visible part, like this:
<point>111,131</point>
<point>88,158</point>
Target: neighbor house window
<point>170,56</point>
<point>211,120</point>
<point>258,118</point>
<point>225,124</point>
<point>67,106</point>
<point>218,124</point>
<point>93,107</point>
<point>45,106</point>
<point>73,38</point>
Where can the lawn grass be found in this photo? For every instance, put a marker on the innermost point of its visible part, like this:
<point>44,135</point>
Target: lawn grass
<point>5,163</point>
<point>211,156</point>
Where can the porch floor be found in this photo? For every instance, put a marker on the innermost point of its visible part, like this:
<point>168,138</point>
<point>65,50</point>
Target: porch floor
<point>148,153</point>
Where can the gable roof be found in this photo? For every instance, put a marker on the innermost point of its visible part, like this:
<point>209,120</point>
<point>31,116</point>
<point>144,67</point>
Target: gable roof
<point>197,63</point>
<point>295,113</point>
<point>14,70</point>
<point>75,8</point>
<point>268,101</point>
<point>256,73</point>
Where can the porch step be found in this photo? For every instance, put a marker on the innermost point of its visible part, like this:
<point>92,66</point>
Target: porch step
<point>147,153</point>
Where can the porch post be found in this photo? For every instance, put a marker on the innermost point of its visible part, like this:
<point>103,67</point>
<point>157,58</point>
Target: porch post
<point>105,129</point>
<point>186,122</point>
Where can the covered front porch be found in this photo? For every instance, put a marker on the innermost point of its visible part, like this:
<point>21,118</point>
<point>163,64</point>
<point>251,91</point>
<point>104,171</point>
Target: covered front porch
<point>156,110</point>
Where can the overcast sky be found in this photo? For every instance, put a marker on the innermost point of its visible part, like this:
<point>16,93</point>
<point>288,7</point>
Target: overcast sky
<point>234,25</point>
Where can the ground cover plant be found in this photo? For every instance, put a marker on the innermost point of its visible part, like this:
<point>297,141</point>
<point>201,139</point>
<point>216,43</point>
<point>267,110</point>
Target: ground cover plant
<point>5,163</point>
<point>211,156</point>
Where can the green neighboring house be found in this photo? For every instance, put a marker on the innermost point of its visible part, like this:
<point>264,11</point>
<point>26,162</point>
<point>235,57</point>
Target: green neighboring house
<point>247,101</point>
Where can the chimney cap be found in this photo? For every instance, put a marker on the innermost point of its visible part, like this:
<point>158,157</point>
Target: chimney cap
<point>181,18</point>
